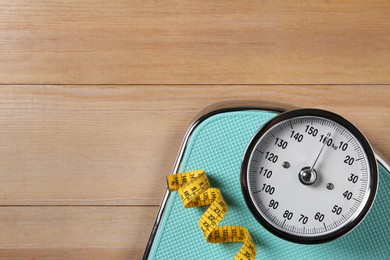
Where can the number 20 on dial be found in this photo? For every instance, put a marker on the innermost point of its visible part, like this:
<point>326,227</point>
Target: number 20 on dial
<point>309,176</point>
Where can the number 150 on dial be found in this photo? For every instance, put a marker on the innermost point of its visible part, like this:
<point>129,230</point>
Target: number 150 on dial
<point>309,176</point>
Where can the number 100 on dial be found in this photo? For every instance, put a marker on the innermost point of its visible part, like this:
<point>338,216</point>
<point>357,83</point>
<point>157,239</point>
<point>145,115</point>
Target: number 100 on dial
<point>309,176</point>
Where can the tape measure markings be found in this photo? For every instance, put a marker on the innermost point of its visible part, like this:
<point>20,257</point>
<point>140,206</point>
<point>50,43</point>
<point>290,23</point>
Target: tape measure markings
<point>194,191</point>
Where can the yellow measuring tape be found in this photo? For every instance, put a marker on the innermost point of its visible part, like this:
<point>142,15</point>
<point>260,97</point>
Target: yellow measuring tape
<point>194,190</point>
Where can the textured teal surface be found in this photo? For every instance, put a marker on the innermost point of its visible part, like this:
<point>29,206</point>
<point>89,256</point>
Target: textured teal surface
<point>218,145</point>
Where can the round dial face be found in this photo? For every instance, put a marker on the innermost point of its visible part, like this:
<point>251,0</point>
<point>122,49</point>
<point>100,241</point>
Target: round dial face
<point>309,176</point>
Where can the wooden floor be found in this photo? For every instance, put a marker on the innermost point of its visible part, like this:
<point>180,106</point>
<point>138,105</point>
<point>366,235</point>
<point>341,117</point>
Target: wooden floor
<point>96,96</point>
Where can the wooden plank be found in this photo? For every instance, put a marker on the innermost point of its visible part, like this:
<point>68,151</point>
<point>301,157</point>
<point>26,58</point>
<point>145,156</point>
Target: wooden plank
<point>195,42</point>
<point>113,145</point>
<point>75,232</point>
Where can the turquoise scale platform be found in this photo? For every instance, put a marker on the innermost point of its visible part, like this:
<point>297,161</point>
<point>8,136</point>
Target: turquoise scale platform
<point>218,145</point>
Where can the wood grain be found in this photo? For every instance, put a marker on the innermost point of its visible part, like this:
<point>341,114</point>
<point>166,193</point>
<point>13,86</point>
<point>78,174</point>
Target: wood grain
<point>95,97</point>
<point>195,42</point>
<point>113,145</point>
<point>74,232</point>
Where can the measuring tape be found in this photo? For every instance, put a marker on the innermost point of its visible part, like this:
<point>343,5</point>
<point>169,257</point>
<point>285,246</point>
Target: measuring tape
<point>194,190</point>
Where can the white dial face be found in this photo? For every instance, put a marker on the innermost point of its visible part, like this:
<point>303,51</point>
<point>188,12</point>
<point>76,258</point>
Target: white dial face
<point>309,176</point>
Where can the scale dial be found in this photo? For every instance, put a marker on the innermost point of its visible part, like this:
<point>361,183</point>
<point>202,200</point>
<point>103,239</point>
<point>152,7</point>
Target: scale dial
<point>309,176</point>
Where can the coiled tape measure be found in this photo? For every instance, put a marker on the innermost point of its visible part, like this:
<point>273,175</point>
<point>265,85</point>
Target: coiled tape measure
<point>308,176</point>
<point>194,189</point>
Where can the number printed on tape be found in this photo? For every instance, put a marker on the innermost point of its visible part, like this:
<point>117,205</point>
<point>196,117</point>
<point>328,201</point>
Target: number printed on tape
<point>194,190</point>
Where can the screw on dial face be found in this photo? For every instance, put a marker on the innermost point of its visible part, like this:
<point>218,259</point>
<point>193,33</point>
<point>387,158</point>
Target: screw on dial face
<point>309,176</point>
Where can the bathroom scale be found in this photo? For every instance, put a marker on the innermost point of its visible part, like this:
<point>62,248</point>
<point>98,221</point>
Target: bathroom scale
<point>305,183</point>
